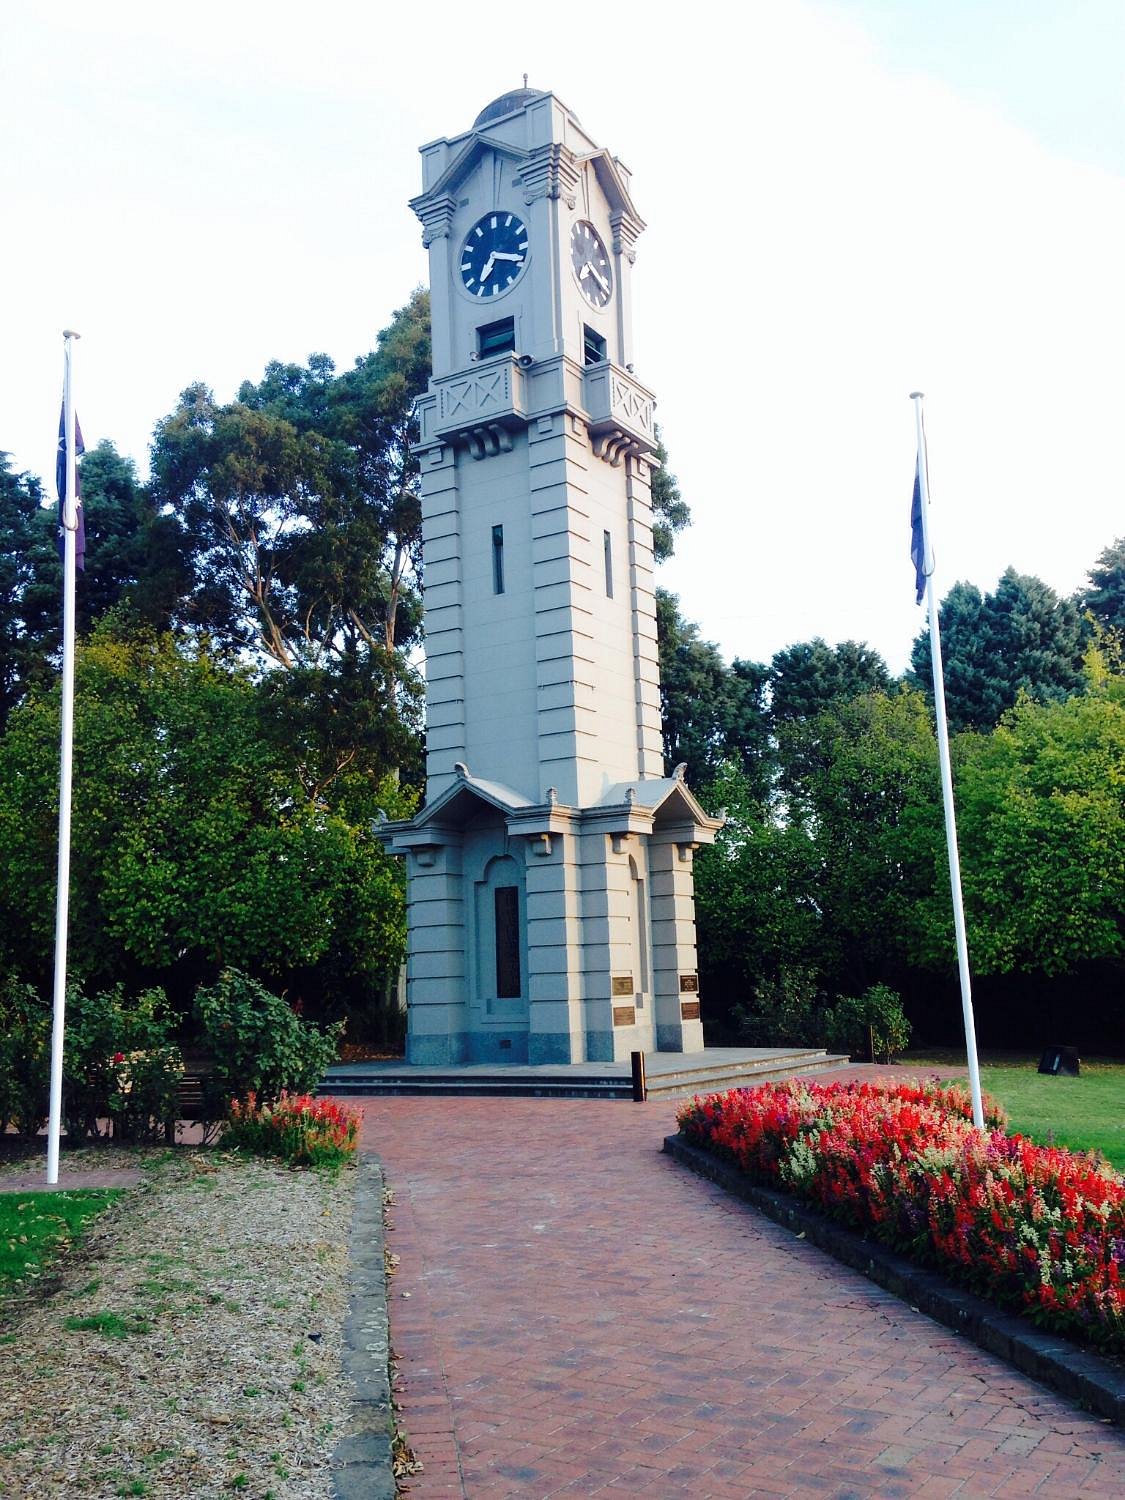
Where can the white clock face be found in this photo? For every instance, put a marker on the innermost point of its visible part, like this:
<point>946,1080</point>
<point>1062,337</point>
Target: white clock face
<point>494,254</point>
<point>591,263</point>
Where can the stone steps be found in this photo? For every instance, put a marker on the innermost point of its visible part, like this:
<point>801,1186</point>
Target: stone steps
<point>584,1081</point>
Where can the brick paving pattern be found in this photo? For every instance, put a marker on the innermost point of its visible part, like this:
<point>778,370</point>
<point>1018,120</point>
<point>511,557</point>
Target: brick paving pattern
<point>576,1315</point>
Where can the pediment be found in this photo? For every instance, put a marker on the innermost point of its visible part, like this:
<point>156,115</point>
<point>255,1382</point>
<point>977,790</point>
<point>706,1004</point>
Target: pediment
<point>612,183</point>
<point>462,164</point>
<point>465,797</point>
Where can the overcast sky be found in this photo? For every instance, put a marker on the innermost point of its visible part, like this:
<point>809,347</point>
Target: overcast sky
<point>846,200</point>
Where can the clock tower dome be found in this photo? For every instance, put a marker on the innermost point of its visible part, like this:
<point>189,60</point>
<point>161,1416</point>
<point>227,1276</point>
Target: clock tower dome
<point>550,900</point>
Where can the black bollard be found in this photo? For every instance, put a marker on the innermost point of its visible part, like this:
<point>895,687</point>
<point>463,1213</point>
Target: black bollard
<point>640,1088</point>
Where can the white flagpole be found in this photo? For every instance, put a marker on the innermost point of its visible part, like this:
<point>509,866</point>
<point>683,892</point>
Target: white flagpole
<point>947,773</point>
<point>62,902</point>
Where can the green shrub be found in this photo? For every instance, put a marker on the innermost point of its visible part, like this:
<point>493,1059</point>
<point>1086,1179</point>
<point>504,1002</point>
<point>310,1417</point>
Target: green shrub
<point>786,1011</point>
<point>25,1058</point>
<point>120,1064</point>
<point>257,1044</point>
<point>876,1014</point>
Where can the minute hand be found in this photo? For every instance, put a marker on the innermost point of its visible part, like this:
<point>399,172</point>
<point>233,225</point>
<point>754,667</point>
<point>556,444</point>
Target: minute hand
<point>589,269</point>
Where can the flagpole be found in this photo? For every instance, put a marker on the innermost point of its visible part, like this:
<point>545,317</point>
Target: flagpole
<point>62,900</point>
<point>947,774</point>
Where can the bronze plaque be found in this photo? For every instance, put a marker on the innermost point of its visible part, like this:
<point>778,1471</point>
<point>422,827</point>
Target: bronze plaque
<point>624,1015</point>
<point>689,984</point>
<point>689,1010</point>
<point>623,984</point>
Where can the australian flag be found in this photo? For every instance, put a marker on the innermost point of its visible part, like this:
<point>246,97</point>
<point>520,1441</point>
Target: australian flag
<point>60,485</point>
<point>917,545</point>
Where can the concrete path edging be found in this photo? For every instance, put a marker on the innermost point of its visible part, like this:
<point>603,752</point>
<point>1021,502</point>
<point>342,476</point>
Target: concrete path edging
<point>1078,1374</point>
<point>362,1467</point>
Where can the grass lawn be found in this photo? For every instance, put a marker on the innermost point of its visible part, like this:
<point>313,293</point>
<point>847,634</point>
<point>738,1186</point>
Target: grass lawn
<point>35,1227</point>
<point>1086,1113</point>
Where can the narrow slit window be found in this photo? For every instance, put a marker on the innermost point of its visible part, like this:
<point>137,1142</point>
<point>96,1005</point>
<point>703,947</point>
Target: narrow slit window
<point>607,546</point>
<point>508,984</point>
<point>496,338</point>
<point>498,559</point>
<point>593,345</point>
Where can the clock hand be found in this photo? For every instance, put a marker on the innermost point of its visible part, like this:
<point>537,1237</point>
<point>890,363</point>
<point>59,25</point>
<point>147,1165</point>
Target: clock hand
<point>596,274</point>
<point>507,255</point>
<point>487,272</point>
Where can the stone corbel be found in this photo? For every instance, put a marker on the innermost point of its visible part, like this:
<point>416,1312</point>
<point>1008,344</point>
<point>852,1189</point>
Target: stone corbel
<point>614,446</point>
<point>486,442</point>
<point>436,216</point>
<point>551,172</point>
<point>626,230</point>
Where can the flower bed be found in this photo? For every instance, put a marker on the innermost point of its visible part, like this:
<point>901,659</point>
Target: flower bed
<point>1037,1227</point>
<point>301,1130</point>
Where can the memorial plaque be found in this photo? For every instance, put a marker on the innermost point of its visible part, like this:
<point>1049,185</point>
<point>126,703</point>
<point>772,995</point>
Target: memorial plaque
<point>623,984</point>
<point>689,984</point>
<point>689,1010</point>
<point>624,1015</point>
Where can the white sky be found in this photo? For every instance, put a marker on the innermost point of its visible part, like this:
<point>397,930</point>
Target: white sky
<point>846,200</point>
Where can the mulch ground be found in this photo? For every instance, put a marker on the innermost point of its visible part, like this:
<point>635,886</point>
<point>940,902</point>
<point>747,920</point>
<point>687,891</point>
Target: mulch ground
<point>189,1347</point>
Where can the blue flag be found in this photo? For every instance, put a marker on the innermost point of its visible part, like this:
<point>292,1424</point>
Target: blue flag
<point>917,544</point>
<point>60,485</point>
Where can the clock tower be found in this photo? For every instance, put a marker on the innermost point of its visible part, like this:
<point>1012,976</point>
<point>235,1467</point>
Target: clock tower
<point>549,874</point>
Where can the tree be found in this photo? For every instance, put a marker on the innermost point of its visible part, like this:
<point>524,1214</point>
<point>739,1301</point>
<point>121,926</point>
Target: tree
<point>1021,639</point>
<point>670,511</point>
<point>1104,597</point>
<point>870,803</point>
<point>195,843</point>
<point>135,566</point>
<point>25,534</point>
<point>811,676</point>
<point>753,893</point>
<point>1041,819</point>
<point>301,498</point>
<point>710,712</point>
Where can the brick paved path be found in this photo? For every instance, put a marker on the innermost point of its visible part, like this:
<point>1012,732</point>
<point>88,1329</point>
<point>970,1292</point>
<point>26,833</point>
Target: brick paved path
<point>576,1315</point>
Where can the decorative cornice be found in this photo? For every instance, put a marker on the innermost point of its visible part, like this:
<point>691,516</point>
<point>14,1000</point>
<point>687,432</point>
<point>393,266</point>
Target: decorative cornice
<point>551,171</point>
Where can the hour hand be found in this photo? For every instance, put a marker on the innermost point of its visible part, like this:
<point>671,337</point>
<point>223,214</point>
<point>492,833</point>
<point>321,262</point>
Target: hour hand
<point>507,255</point>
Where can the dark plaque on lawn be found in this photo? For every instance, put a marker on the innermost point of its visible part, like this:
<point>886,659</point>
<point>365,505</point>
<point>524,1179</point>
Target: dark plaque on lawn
<point>1060,1061</point>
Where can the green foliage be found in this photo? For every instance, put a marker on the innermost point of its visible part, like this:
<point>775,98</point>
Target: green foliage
<point>1022,639</point>
<point>257,1044</point>
<point>812,676</point>
<point>195,841</point>
<point>869,802</point>
<point>756,918</point>
<point>25,1058</point>
<point>1104,598</point>
<point>788,1010</point>
<point>710,713</point>
<point>1041,819</point>
<point>120,1064</point>
<point>670,511</point>
<point>875,1018</point>
<point>301,500</point>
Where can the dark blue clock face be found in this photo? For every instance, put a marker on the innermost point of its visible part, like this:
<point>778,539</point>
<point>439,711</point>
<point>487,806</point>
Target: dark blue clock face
<point>494,254</point>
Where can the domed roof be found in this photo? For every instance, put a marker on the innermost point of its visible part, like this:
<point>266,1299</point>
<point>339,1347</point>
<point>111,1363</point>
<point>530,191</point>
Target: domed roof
<point>506,103</point>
